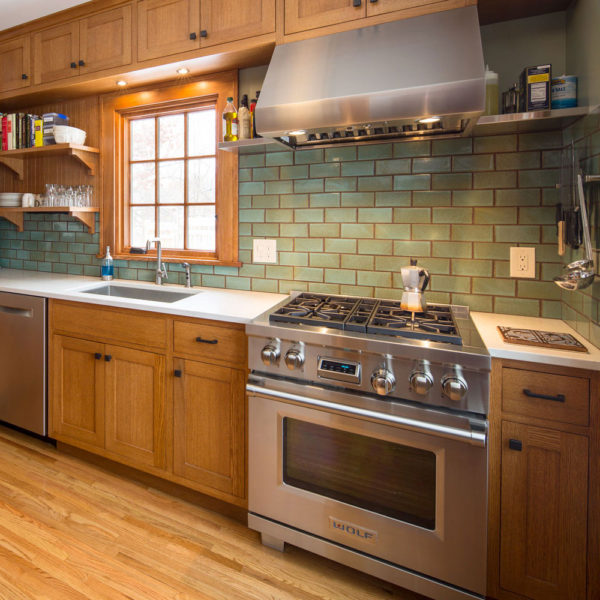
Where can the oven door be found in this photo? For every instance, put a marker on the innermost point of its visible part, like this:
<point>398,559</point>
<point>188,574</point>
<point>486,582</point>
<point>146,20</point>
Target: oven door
<point>407,486</point>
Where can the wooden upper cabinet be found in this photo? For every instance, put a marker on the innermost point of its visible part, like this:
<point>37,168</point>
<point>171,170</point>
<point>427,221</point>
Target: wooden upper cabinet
<point>209,423</point>
<point>105,40</point>
<point>229,20</point>
<point>167,27</point>
<point>379,7</point>
<point>56,53</point>
<point>15,63</point>
<point>302,15</point>
<point>135,406</point>
<point>544,489</point>
<point>77,390</point>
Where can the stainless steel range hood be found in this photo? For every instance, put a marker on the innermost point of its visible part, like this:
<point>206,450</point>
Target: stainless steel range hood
<point>377,83</point>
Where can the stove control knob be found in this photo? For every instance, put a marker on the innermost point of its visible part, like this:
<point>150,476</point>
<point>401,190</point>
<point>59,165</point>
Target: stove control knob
<point>383,381</point>
<point>294,359</point>
<point>454,386</point>
<point>421,381</point>
<point>270,353</point>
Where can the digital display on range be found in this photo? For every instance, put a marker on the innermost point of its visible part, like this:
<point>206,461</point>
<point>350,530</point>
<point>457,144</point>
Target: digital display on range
<point>339,367</point>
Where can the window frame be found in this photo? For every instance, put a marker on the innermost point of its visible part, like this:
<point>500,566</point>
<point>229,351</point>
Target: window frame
<point>117,111</point>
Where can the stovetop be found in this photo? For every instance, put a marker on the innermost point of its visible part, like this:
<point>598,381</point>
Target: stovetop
<point>371,316</point>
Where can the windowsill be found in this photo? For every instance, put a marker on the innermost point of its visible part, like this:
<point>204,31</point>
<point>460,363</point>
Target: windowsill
<point>151,258</point>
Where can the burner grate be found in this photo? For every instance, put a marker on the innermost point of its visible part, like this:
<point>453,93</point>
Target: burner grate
<point>371,316</point>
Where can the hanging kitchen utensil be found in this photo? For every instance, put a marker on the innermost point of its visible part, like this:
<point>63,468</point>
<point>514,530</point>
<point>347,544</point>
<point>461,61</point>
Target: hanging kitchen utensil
<point>580,273</point>
<point>560,229</point>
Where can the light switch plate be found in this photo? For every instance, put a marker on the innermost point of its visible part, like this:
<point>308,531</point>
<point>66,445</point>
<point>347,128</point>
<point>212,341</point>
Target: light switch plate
<point>264,251</point>
<point>522,262</point>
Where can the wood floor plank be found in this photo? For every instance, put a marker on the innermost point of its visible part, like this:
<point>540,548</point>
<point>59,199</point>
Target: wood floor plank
<point>70,530</point>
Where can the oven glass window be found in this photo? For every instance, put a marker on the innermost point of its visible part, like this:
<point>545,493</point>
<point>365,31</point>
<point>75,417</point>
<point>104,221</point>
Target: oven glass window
<point>384,477</point>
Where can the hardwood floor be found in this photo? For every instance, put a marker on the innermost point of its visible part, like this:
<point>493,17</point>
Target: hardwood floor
<point>70,530</point>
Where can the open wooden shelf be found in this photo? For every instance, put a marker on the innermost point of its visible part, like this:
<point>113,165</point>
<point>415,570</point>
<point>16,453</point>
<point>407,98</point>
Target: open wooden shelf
<point>87,215</point>
<point>14,159</point>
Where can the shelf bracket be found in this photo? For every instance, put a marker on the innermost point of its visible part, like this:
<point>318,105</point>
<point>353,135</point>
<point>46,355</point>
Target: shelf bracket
<point>14,164</point>
<point>16,218</point>
<point>88,159</point>
<point>87,218</point>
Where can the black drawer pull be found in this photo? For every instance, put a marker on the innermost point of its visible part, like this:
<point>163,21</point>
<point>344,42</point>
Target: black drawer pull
<point>203,341</point>
<point>204,33</point>
<point>73,65</point>
<point>515,445</point>
<point>107,357</point>
<point>557,398</point>
<point>97,356</point>
<point>24,76</point>
<point>177,373</point>
<point>356,2</point>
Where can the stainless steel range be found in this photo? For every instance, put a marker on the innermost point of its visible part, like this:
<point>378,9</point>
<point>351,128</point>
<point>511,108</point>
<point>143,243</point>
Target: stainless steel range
<point>368,438</point>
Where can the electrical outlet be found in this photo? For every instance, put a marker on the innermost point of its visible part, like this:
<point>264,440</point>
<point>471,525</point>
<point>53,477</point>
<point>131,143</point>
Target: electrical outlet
<point>522,262</point>
<point>264,251</point>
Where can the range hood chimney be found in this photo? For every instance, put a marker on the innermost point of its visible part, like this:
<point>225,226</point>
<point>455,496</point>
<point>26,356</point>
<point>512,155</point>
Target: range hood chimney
<point>409,79</point>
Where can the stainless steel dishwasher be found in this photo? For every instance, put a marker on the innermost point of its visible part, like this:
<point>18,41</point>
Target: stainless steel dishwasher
<point>23,361</point>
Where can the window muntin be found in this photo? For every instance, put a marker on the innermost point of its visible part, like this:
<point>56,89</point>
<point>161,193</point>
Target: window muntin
<point>171,171</point>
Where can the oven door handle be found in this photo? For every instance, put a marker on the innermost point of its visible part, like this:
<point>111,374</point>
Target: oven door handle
<point>475,438</point>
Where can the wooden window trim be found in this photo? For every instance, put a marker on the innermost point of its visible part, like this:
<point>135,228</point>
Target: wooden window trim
<point>116,108</point>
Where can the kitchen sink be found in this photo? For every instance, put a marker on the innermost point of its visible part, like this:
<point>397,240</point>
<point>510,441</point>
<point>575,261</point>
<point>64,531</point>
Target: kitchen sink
<point>139,293</point>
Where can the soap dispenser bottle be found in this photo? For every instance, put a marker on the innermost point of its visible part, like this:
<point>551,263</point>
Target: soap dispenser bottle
<point>107,268</point>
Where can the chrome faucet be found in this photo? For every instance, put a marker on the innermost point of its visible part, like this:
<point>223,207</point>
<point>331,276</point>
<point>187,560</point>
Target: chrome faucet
<point>188,274</point>
<point>161,271</point>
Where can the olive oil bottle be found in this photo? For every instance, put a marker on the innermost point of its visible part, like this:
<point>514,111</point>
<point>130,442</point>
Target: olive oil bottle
<point>230,122</point>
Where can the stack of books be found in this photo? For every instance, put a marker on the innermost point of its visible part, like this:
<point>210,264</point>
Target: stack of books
<point>20,130</point>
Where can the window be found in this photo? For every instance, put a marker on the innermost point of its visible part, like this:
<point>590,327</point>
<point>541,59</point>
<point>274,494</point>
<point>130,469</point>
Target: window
<point>167,178</point>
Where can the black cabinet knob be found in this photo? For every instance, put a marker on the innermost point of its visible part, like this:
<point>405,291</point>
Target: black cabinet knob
<point>24,76</point>
<point>97,356</point>
<point>515,445</point>
<point>356,2</point>
<point>193,35</point>
<point>108,358</point>
<point>73,65</point>
<point>177,373</point>
<point>81,63</point>
<point>204,33</point>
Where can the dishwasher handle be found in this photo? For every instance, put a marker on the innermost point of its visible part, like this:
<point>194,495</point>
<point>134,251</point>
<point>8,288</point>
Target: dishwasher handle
<point>17,312</point>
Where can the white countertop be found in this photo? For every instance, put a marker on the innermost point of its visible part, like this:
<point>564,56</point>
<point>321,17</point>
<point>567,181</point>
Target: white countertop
<point>487,324</point>
<point>235,306</point>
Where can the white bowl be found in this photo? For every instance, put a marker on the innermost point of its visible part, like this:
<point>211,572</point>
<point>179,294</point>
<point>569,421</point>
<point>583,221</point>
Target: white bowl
<point>63,134</point>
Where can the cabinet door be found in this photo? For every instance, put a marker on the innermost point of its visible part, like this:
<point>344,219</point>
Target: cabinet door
<point>209,426</point>
<point>543,512</point>
<point>379,7</point>
<point>167,27</point>
<point>105,40</point>
<point>56,53</point>
<point>77,390</point>
<point>228,20</point>
<point>301,15</point>
<point>135,405</point>
<point>15,64</point>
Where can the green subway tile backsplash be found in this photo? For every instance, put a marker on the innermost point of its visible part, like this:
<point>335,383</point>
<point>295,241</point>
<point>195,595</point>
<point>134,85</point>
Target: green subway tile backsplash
<point>347,219</point>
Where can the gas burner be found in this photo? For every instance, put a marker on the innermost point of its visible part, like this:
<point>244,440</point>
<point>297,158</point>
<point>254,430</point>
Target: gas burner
<point>370,316</point>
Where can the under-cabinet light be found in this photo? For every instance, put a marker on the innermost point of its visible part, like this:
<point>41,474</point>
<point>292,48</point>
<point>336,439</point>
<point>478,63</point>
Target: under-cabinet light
<point>183,71</point>
<point>121,83</point>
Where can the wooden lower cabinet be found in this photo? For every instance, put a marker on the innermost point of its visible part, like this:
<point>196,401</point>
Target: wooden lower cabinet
<point>135,405</point>
<point>186,423</point>
<point>543,535</point>
<point>209,423</point>
<point>543,512</point>
<point>77,390</point>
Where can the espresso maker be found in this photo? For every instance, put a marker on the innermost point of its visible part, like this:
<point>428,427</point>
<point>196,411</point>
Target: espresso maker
<point>414,281</point>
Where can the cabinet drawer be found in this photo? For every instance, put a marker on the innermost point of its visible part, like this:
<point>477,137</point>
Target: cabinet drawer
<point>211,343</point>
<point>546,395</point>
<point>110,324</point>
